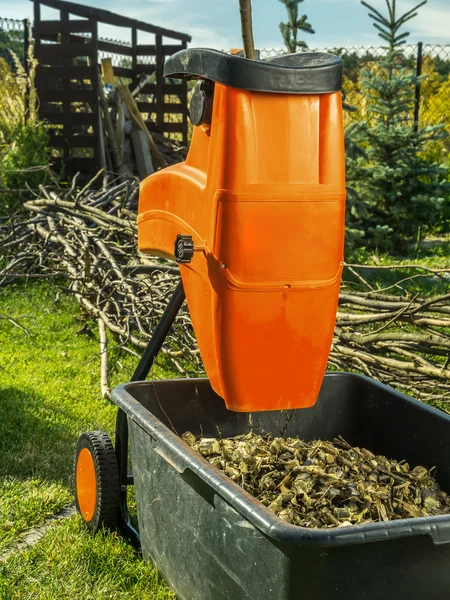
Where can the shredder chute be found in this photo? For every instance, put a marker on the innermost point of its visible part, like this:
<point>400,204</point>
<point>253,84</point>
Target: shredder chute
<point>255,218</point>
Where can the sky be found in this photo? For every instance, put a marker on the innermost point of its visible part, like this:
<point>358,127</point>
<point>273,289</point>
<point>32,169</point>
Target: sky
<point>215,23</point>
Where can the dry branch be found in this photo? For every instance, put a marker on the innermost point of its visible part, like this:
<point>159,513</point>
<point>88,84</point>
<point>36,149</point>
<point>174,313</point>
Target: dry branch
<point>104,386</point>
<point>89,235</point>
<point>245,8</point>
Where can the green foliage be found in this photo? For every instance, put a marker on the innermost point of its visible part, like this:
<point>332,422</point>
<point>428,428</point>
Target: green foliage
<point>290,30</point>
<point>435,110</point>
<point>395,189</point>
<point>23,138</point>
<point>24,157</point>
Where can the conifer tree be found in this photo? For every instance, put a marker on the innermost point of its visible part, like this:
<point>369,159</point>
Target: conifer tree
<point>396,191</point>
<point>290,30</point>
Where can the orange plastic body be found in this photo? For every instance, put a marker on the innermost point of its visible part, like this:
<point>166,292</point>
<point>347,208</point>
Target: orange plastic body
<point>262,193</point>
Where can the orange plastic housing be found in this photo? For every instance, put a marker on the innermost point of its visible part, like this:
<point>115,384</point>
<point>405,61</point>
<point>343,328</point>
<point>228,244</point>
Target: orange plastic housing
<point>262,193</point>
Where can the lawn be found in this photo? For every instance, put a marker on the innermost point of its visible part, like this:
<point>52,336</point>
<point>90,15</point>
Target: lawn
<point>434,254</point>
<point>49,394</point>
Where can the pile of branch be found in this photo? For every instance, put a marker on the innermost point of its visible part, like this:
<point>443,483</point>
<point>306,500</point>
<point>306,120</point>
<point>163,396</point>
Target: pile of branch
<point>88,237</point>
<point>400,339</point>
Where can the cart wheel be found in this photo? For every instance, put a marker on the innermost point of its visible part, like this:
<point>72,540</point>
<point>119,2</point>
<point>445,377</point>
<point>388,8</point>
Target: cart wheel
<point>96,476</point>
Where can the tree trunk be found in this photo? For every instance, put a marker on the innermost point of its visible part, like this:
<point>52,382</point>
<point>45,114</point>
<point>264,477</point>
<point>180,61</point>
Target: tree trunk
<point>245,7</point>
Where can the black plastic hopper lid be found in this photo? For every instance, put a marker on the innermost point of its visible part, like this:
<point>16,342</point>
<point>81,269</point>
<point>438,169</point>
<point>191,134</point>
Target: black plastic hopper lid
<point>300,73</point>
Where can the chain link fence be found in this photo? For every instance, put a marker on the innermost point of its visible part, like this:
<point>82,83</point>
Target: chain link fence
<point>432,104</point>
<point>432,62</point>
<point>433,96</point>
<point>14,38</point>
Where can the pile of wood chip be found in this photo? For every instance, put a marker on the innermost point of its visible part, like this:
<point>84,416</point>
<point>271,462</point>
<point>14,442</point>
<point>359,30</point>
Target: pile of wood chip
<point>323,484</point>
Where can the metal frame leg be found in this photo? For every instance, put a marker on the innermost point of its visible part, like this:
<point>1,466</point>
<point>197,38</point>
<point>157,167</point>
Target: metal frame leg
<point>141,372</point>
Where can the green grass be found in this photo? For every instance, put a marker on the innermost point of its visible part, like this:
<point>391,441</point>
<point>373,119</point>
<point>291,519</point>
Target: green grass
<point>434,255</point>
<point>26,503</point>
<point>69,563</point>
<point>49,394</point>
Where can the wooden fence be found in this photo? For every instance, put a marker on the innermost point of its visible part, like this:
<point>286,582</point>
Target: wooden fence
<point>67,78</point>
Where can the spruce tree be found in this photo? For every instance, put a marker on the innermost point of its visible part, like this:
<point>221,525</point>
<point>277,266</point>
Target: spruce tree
<point>290,30</point>
<point>396,192</point>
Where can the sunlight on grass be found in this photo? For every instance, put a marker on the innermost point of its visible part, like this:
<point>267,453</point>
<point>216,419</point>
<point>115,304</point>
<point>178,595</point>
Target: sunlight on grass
<point>69,563</point>
<point>49,394</point>
<point>28,503</point>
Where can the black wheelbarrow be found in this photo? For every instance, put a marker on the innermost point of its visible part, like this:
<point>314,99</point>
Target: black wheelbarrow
<point>212,540</point>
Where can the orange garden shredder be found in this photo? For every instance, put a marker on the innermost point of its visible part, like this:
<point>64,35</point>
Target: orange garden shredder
<point>255,219</point>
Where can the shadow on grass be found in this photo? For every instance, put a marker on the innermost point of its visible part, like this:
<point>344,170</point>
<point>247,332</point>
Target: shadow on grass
<point>34,440</point>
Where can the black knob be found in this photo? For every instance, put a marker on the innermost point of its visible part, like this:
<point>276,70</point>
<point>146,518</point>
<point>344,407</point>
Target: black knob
<point>200,109</point>
<point>184,248</point>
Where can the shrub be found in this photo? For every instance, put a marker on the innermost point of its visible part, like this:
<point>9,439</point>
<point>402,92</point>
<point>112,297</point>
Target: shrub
<point>23,139</point>
<point>396,190</point>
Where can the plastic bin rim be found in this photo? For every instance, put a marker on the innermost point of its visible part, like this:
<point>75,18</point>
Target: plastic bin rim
<point>254,511</point>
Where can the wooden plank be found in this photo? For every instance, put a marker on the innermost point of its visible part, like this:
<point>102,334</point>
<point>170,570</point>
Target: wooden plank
<point>159,83</point>
<point>49,37</point>
<point>134,38</point>
<point>66,62</point>
<point>123,72</point>
<point>55,27</point>
<point>51,53</point>
<point>72,165</point>
<point>174,108</point>
<point>73,141</point>
<point>147,69</point>
<point>169,49</point>
<point>167,108</point>
<point>94,64</point>
<point>108,72</point>
<point>172,127</point>
<point>184,101</point>
<point>99,152</point>
<point>168,89</point>
<point>77,163</point>
<point>150,49</point>
<point>65,73</point>
<point>37,20</point>
<point>115,48</point>
<point>51,86</point>
<point>146,49</point>
<point>104,46</point>
<point>73,38</point>
<point>185,118</point>
<point>142,153</point>
<point>70,118</point>
<point>147,107</point>
<point>105,16</point>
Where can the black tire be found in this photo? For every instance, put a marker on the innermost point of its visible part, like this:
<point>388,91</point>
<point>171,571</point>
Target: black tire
<point>105,507</point>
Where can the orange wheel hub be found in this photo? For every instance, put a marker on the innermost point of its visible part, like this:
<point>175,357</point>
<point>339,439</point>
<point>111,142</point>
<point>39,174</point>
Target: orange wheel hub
<point>86,484</point>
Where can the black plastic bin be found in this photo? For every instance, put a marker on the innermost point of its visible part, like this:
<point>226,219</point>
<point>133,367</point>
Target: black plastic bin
<point>212,540</point>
